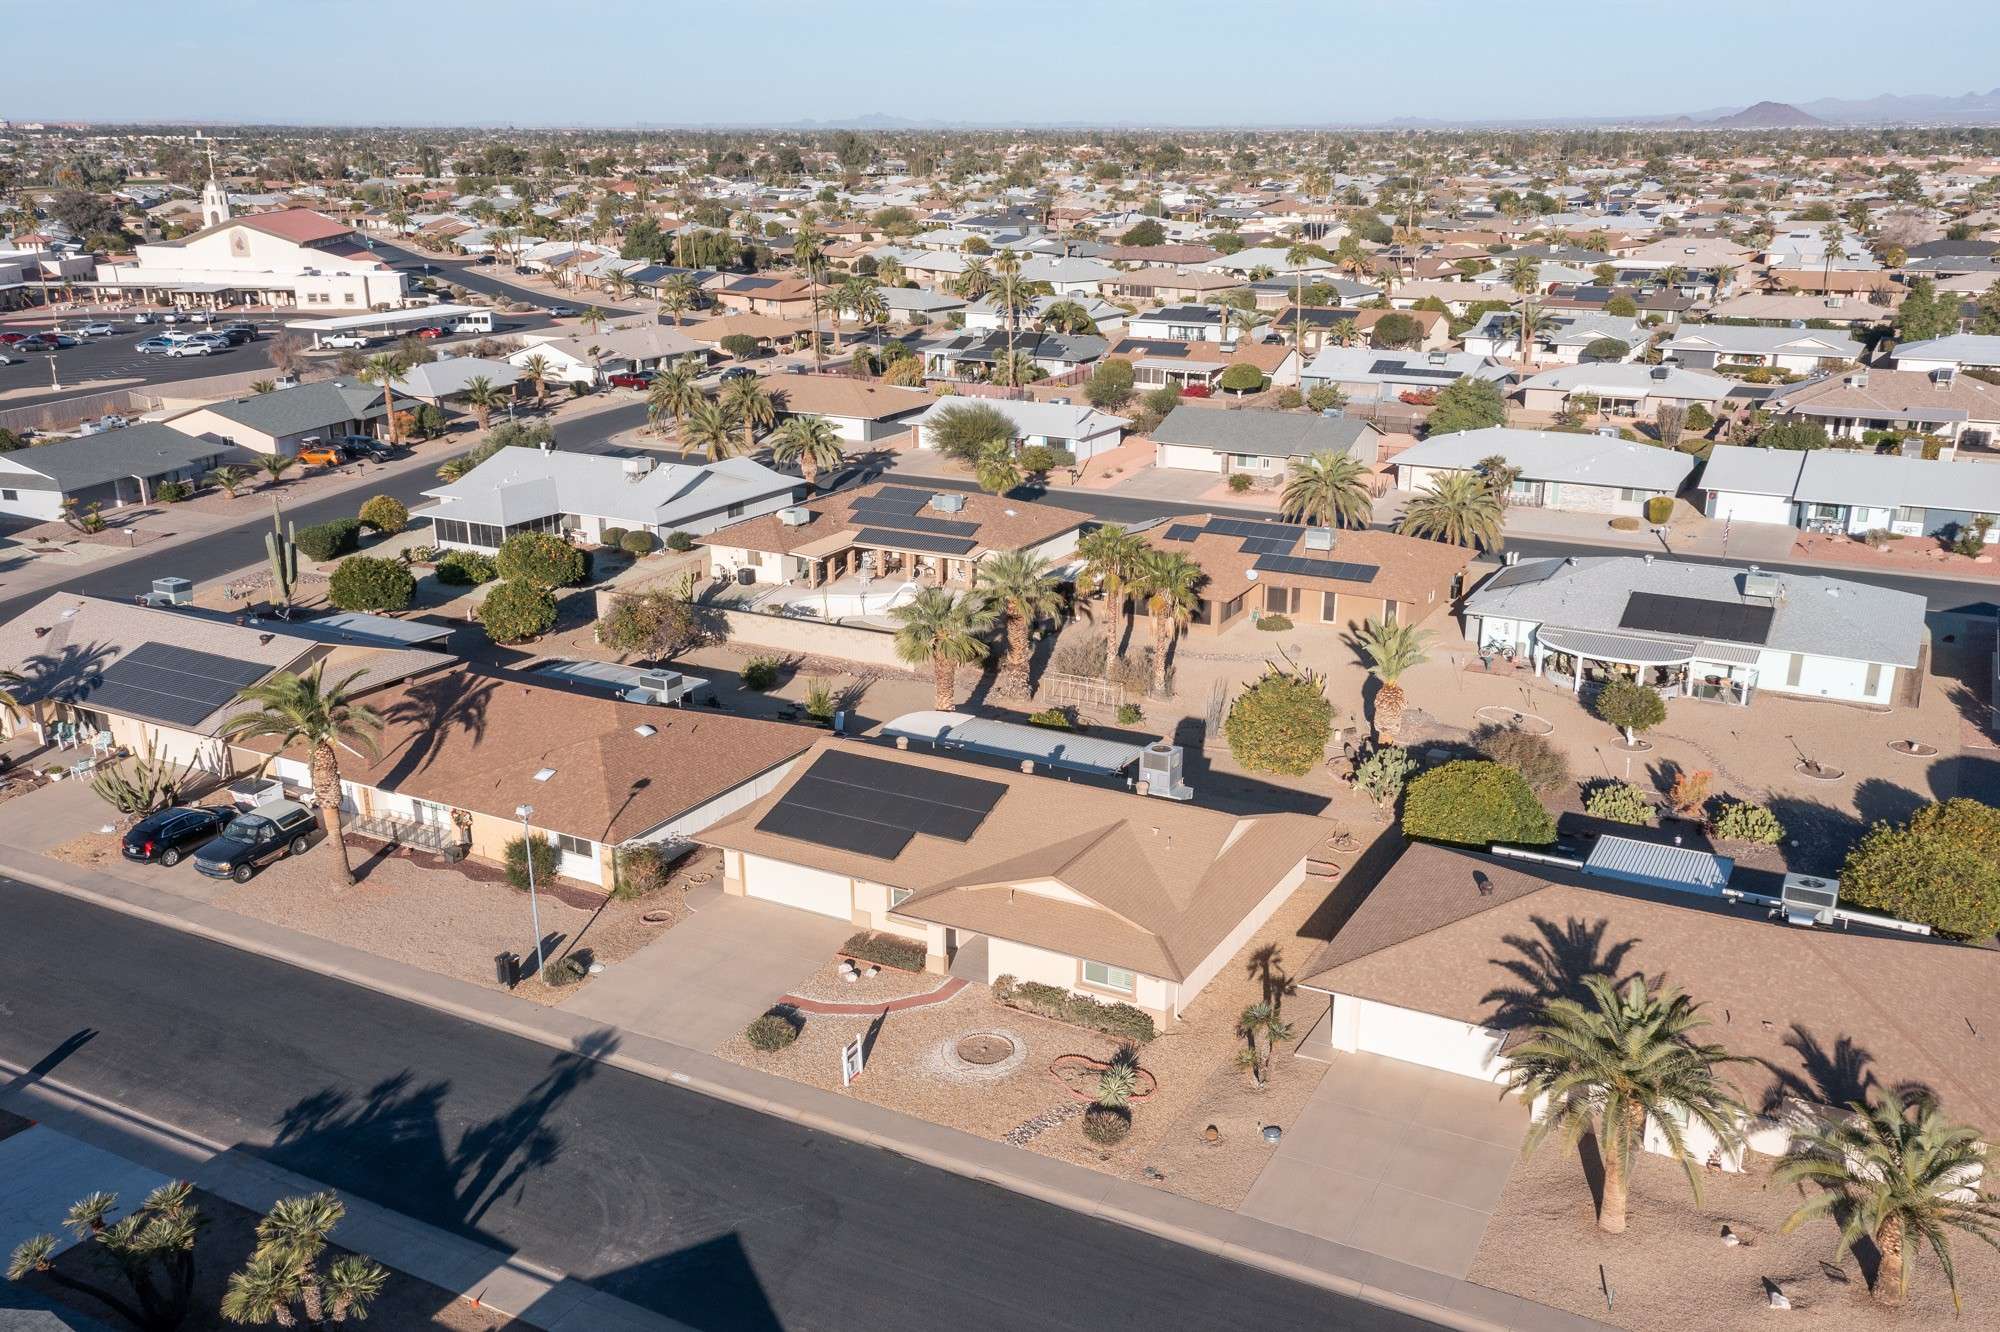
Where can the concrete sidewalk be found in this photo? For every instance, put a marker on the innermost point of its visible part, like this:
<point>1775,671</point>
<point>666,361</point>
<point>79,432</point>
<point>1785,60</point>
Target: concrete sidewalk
<point>1449,1301</point>
<point>82,1143</point>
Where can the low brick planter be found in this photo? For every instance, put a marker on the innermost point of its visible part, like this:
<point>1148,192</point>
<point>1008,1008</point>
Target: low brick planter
<point>1079,1064</point>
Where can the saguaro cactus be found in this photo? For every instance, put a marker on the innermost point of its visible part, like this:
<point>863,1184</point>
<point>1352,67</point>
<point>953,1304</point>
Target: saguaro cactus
<point>284,553</point>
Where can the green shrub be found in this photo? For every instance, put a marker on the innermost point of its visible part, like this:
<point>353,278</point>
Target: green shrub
<point>1241,482</point>
<point>1281,723</point>
<point>1619,802</point>
<point>679,542</point>
<point>1659,508</point>
<point>1536,757</point>
<point>1383,774</point>
<point>568,969</point>
<point>1054,718</point>
<point>613,537</point>
<point>1274,624</point>
<point>172,492</point>
<point>1288,399</point>
<point>515,612</point>
<point>1967,823</point>
<point>1110,384</point>
<point>1129,714</point>
<point>1121,1021</point>
<point>1475,802</point>
<point>637,543</point>
<point>543,559</point>
<point>644,869</point>
<point>1925,876</point>
<point>739,345</point>
<point>1107,1125</point>
<point>328,541</point>
<point>1040,459</point>
<point>760,673</point>
<point>770,1032</point>
<point>466,568</point>
<point>516,860</point>
<point>1626,523</point>
<point>821,702</point>
<point>385,514</point>
<point>1700,419</point>
<point>1241,378</point>
<point>891,950</point>
<point>1741,821</point>
<point>362,583</point>
<point>1632,708</point>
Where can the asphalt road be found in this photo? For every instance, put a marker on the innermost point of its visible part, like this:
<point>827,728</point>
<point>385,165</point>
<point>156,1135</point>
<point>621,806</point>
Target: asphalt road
<point>718,1216</point>
<point>477,277</point>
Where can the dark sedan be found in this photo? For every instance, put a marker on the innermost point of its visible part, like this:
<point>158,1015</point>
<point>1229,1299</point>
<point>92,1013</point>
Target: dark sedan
<point>165,837</point>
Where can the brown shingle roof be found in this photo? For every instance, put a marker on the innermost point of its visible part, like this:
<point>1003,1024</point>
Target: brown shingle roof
<point>1407,569</point>
<point>1787,998</point>
<point>1163,883</point>
<point>837,395</point>
<point>1004,524</point>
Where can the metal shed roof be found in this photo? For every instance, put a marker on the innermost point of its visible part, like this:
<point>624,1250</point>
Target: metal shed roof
<point>978,735</point>
<point>1680,867</point>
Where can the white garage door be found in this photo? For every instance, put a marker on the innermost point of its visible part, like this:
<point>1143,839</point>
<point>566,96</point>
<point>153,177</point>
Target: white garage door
<point>796,886</point>
<point>1750,508</point>
<point>1424,1038</point>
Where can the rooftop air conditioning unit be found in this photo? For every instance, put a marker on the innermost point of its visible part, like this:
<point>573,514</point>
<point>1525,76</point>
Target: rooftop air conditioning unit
<point>1833,302</point>
<point>1607,432</point>
<point>945,502</point>
<point>1437,358</point>
<point>795,516</point>
<point>1161,768</point>
<point>1809,901</point>
<point>1319,538</point>
<point>1762,583</point>
<point>637,468</point>
<point>1943,377</point>
<point>1662,371</point>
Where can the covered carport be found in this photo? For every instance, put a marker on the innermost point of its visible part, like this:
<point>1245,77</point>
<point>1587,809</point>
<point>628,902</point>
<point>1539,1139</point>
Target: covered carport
<point>383,323</point>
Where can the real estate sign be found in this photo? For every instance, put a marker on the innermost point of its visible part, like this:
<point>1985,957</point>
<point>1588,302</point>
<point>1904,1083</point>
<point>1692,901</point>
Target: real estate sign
<point>850,1061</point>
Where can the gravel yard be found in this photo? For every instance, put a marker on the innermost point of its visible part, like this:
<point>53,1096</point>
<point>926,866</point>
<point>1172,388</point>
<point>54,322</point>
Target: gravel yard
<point>887,985</point>
<point>1671,1270</point>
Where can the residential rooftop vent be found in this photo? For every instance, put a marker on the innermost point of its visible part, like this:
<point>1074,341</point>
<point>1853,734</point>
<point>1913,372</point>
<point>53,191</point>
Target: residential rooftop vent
<point>1762,583</point>
<point>1607,432</point>
<point>1319,538</point>
<point>945,502</point>
<point>796,515</point>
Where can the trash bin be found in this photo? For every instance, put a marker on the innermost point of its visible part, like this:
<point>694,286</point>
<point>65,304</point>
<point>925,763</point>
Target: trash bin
<point>507,969</point>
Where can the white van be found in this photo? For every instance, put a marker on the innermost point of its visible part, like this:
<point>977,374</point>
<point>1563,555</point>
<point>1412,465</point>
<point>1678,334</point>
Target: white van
<point>477,321</point>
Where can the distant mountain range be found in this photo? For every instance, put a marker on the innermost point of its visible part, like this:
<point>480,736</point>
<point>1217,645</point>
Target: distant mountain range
<point>1765,115</point>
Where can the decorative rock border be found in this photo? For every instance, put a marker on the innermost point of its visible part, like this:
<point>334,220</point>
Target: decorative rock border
<point>1636,747</point>
<point>943,1057</point>
<point>1147,1083</point>
<point>1817,772</point>
<point>1913,749</point>
<point>1504,716</point>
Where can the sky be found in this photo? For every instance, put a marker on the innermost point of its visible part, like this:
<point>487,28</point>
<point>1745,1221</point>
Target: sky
<point>1012,62</point>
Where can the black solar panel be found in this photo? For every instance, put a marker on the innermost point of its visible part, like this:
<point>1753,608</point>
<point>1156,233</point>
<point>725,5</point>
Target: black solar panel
<point>1339,570</point>
<point>852,802</point>
<point>909,522</point>
<point>894,499</point>
<point>1251,527</point>
<point>1183,532</point>
<point>1265,545</point>
<point>175,686</point>
<point>1692,617</point>
<point>918,541</point>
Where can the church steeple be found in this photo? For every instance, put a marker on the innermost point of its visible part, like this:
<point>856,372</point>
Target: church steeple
<point>214,199</point>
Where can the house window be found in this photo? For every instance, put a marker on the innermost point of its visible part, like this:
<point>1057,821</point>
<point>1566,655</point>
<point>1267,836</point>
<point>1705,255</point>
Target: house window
<point>1907,513</point>
<point>1390,611</point>
<point>1631,496</point>
<point>10,494</point>
<point>575,846</point>
<point>735,511</point>
<point>1108,977</point>
<point>898,896</point>
<point>1329,603</point>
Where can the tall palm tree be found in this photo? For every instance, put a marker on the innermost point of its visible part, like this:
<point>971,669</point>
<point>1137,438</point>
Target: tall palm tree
<point>810,255</point>
<point>1835,241</point>
<point>305,710</point>
<point>975,281</point>
<point>1166,583</point>
<point>675,391</point>
<point>677,295</point>
<point>1327,489</point>
<point>943,629</point>
<point>711,428</point>
<point>617,284</point>
<point>1391,650</point>
<point>890,272</point>
<point>1017,369</point>
<point>1068,317</point>
<point>996,467</point>
<point>1011,295</point>
<point>1298,257</point>
<point>1459,509</point>
<point>749,401</point>
<point>536,371</point>
<point>1110,557</point>
<point>592,318</point>
<point>1610,1069</point>
<point>1524,275</point>
<point>811,442</point>
<point>483,398</point>
<point>1900,1173</point>
<point>384,369</point>
<point>1018,583</point>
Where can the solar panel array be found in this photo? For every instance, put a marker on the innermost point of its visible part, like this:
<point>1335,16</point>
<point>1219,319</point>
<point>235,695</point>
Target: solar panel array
<point>871,806</point>
<point>1413,371</point>
<point>901,509</point>
<point>1692,617</point>
<point>1340,570</point>
<point>1183,532</point>
<point>918,541</point>
<point>174,686</point>
<point>1252,527</point>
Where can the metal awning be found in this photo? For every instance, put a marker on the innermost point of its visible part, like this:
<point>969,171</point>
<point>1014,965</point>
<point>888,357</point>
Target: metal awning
<point>1727,654</point>
<point>1629,649</point>
<point>998,739</point>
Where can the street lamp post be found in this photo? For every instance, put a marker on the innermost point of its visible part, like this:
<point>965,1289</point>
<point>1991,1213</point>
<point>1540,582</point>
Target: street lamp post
<point>528,854</point>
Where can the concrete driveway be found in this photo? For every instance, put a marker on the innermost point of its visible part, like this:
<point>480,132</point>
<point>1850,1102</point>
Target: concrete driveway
<point>1401,1161</point>
<point>713,972</point>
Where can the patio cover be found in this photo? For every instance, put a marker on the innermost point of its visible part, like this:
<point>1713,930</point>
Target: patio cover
<point>1630,649</point>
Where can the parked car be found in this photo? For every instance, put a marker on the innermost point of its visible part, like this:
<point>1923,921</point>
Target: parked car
<point>190,347</point>
<point>5,359</point>
<point>316,453</point>
<point>344,340</point>
<point>164,837</point>
<point>632,379</point>
<point>561,312</point>
<point>36,342</point>
<point>145,317</point>
<point>250,841</point>
<point>429,331</point>
<point>242,326</point>
<point>97,330</point>
<point>148,346</point>
<point>364,446</point>
<point>233,335</point>
<point>735,372</point>
<point>9,339</point>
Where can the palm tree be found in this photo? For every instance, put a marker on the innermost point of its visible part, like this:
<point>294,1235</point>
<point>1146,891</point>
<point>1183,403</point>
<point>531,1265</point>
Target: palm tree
<point>1459,508</point>
<point>1068,317</point>
<point>996,468</point>
<point>484,398</point>
<point>1524,275</point>
<point>1018,583</point>
<point>1298,257</point>
<point>536,371</point>
<point>592,318</point>
<point>1835,242</point>
<point>1017,369</point>
<point>807,254</point>
<point>890,273</point>
<point>303,709</point>
<point>1166,583</point>
<point>746,399</point>
<point>1724,275</point>
<point>711,428</point>
<point>617,284</point>
<point>678,294</point>
<point>275,465</point>
<point>1327,489</point>
<point>675,391</point>
<point>385,368</point>
<point>1265,1029</point>
<point>975,281</point>
<point>1011,295</point>
<point>942,628</point>
<point>283,1270</point>
<point>1391,650</point>
<point>1110,557</point>
<point>1612,1068</point>
<point>229,479</point>
<point>811,442</point>
<point>1900,1173</point>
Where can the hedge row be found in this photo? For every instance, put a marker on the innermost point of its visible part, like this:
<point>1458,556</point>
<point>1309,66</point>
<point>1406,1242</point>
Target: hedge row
<point>1122,1021</point>
<point>888,949</point>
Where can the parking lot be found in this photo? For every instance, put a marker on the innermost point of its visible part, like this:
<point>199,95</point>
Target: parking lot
<point>115,361</point>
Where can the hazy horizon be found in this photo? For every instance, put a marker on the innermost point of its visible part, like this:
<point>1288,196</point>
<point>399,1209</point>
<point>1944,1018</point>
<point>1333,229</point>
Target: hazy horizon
<point>1172,64</point>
